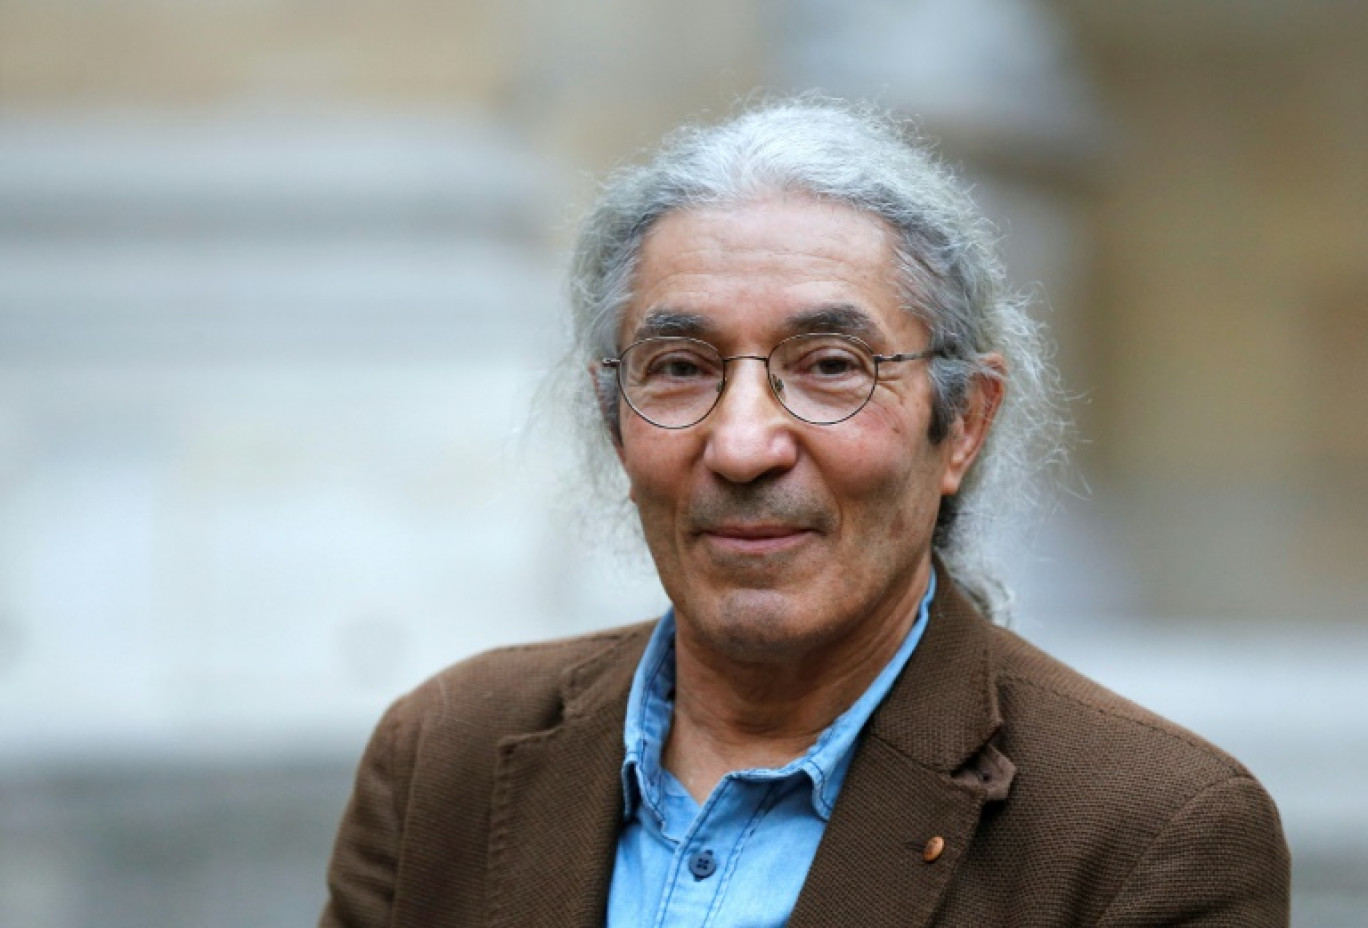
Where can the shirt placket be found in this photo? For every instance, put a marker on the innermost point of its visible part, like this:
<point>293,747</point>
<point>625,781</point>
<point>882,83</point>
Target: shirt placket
<point>705,853</point>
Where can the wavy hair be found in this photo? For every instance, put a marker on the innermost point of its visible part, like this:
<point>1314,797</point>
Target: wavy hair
<point>950,277</point>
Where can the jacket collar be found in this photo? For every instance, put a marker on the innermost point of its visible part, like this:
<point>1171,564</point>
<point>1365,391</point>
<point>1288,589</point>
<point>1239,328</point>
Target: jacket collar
<point>944,708</point>
<point>919,783</point>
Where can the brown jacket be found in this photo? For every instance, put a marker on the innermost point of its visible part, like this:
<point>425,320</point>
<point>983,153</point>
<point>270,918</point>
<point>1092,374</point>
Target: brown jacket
<point>491,796</point>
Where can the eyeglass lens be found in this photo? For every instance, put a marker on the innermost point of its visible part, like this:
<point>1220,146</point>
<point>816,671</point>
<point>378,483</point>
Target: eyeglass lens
<point>675,382</point>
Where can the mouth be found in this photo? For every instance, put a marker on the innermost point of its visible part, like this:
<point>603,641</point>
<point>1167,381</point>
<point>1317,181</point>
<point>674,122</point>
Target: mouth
<point>755,539</point>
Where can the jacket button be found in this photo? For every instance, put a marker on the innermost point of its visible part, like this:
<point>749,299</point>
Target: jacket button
<point>933,849</point>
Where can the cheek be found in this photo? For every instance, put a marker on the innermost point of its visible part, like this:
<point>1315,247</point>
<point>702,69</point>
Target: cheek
<point>894,484</point>
<point>654,464</point>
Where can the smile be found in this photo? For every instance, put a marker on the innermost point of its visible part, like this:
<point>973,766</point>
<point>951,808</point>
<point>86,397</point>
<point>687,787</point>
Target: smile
<point>755,539</point>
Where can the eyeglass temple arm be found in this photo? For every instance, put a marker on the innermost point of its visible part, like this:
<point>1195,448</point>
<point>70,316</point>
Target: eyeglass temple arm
<point>910,356</point>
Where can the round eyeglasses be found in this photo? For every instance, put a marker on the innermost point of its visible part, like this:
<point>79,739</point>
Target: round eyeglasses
<point>823,378</point>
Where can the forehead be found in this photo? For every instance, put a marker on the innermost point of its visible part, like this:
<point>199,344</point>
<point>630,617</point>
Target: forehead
<point>764,269</point>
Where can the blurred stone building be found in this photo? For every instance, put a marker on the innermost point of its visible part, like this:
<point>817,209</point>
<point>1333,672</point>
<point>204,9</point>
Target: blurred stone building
<point>278,279</point>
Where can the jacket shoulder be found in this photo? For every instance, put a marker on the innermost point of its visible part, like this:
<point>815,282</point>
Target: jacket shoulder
<point>521,688</point>
<point>1066,710</point>
<point>1169,823</point>
<point>419,812</point>
<point>1115,815</point>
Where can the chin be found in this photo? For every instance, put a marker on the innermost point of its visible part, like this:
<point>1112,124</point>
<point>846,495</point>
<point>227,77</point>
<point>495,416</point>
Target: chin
<point>759,625</point>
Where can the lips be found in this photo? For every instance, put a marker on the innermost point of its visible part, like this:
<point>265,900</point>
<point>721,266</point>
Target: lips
<point>751,532</point>
<point>732,540</point>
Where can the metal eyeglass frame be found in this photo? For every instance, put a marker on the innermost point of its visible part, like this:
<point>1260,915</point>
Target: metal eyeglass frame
<point>616,364</point>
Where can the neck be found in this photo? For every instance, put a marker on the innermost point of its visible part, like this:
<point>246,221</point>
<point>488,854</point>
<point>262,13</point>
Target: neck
<point>735,714</point>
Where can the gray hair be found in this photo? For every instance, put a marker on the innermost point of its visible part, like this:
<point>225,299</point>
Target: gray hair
<point>950,276</point>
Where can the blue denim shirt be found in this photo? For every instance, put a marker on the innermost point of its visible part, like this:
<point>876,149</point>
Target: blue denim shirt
<point>741,858</point>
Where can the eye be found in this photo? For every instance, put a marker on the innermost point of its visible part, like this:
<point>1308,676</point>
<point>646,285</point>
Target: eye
<point>680,364</point>
<point>828,362</point>
<point>833,364</point>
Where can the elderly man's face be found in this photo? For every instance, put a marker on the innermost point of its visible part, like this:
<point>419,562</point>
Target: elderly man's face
<point>774,537</point>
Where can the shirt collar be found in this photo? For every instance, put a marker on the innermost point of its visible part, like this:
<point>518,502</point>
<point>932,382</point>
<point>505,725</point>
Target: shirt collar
<point>650,707</point>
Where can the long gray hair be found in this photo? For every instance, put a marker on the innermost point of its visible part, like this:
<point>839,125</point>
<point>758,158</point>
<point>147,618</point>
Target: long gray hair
<point>949,271</point>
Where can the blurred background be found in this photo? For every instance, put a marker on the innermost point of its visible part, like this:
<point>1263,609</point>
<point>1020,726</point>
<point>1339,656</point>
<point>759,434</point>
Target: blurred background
<point>279,280</point>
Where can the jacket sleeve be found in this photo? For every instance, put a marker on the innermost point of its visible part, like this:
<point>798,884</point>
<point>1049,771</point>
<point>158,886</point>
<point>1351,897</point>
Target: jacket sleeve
<point>364,861</point>
<point>1221,860</point>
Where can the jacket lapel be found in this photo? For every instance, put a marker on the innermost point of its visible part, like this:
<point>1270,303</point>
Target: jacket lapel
<point>557,804</point>
<point>918,784</point>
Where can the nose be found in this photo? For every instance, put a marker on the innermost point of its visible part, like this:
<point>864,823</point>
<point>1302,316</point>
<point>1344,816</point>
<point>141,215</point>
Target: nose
<point>749,434</point>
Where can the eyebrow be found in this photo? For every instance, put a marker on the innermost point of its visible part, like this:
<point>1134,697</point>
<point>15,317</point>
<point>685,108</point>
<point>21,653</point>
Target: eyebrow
<point>658,322</point>
<point>840,318</point>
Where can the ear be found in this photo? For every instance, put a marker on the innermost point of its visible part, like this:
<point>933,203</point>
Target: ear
<point>970,430</point>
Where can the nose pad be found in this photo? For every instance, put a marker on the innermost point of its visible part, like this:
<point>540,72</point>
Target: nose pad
<point>778,386</point>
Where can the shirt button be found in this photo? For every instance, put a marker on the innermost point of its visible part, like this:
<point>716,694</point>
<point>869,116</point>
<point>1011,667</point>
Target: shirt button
<point>702,865</point>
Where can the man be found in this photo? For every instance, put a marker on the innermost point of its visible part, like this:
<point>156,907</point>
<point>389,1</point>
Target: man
<point>820,393</point>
